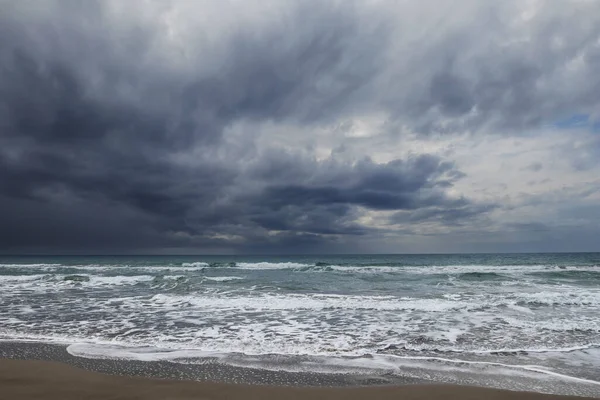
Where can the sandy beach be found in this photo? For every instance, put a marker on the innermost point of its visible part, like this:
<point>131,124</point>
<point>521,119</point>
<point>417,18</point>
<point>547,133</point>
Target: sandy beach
<point>29,379</point>
<point>33,370</point>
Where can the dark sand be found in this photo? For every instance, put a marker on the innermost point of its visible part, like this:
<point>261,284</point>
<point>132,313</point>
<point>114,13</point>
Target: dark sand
<point>29,379</point>
<point>33,370</point>
<point>213,372</point>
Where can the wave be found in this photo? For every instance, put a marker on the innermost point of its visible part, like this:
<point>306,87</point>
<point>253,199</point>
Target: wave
<point>465,272</point>
<point>582,273</point>
<point>50,281</point>
<point>477,276</point>
<point>268,301</point>
<point>21,278</point>
<point>263,346</point>
<point>118,280</point>
<point>58,268</point>
<point>198,264</point>
<point>270,265</point>
<point>223,278</point>
<point>404,269</point>
<point>495,352</point>
<point>522,303</point>
<point>497,269</point>
<point>76,278</point>
<point>566,298</point>
<point>169,282</point>
<point>29,265</point>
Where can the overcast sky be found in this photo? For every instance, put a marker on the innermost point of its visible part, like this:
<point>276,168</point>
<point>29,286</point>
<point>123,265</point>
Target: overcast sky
<point>299,126</point>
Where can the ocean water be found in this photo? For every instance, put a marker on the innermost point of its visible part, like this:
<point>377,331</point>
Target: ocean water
<point>493,318</point>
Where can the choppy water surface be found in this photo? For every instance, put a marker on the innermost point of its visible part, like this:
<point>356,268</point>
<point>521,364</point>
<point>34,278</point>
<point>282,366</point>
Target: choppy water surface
<point>530,315</point>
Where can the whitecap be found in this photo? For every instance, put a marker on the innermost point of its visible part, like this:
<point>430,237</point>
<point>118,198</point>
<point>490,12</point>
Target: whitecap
<point>223,278</point>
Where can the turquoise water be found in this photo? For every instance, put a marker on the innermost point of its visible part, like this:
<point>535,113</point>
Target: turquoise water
<point>533,315</point>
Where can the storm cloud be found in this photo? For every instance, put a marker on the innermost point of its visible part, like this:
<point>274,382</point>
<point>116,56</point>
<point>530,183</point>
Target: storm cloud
<point>280,126</point>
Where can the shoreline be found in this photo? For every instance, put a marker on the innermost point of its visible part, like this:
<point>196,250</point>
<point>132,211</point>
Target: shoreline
<point>34,379</point>
<point>201,372</point>
<point>162,379</point>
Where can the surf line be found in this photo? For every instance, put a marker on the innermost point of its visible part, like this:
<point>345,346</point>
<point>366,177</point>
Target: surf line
<point>532,368</point>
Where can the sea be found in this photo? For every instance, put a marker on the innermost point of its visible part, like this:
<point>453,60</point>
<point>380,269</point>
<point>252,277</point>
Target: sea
<point>524,321</point>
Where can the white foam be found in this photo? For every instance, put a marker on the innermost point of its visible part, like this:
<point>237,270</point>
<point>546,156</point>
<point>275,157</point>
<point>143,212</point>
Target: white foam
<point>460,269</point>
<point>141,268</point>
<point>96,280</point>
<point>21,278</point>
<point>520,308</point>
<point>117,280</point>
<point>357,364</point>
<point>530,368</point>
<point>115,351</point>
<point>269,301</point>
<point>508,270</point>
<point>545,350</point>
<point>362,270</point>
<point>590,296</point>
<point>50,282</point>
<point>223,278</point>
<point>198,264</point>
<point>270,265</point>
<point>28,265</point>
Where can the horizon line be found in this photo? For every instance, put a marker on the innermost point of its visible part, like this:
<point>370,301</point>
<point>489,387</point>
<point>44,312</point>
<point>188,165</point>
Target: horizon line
<point>287,254</point>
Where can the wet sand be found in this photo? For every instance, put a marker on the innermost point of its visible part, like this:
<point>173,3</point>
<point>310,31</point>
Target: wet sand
<point>33,370</point>
<point>209,371</point>
<point>30,379</point>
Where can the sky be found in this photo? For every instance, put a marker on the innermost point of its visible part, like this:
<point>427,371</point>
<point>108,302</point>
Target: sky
<point>225,127</point>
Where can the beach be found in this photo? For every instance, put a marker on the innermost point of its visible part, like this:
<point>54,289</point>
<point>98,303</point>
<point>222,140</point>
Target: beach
<point>45,371</point>
<point>27,379</point>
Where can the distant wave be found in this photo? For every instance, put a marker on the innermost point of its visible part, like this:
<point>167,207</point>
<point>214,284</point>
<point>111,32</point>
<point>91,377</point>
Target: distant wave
<point>468,272</point>
<point>198,264</point>
<point>223,278</point>
<point>76,278</point>
<point>269,265</point>
<point>477,276</point>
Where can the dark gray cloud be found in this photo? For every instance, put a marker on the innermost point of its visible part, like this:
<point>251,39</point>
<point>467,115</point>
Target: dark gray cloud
<point>535,167</point>
<point>462,213</point>
<point>502,66</point>
<point>115,127</point>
